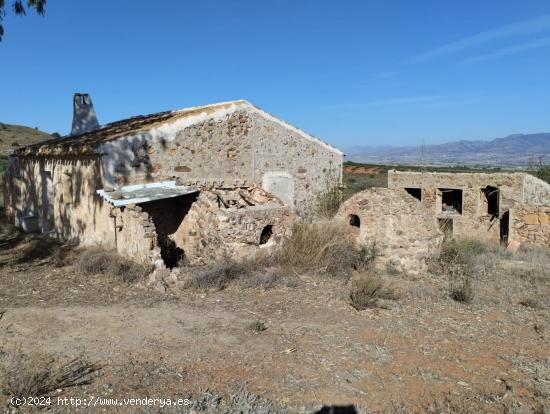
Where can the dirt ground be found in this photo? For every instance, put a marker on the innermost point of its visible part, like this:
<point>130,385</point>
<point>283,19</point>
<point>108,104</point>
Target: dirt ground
<point>492,355</point>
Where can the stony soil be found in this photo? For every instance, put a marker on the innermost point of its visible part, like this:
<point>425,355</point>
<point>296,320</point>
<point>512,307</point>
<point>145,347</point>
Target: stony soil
<point>492,355</point>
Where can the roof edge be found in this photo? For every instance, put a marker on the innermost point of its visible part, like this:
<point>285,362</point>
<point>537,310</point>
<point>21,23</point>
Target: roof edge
<point>285,124</point>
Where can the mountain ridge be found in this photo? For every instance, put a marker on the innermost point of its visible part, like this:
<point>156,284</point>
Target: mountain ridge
<point>512,150</point>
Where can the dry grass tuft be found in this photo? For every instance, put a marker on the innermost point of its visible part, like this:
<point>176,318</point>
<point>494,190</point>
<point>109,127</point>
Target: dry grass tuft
<point>37,249</point>
<point>36,375</point>
<point>367,290</point>
<point>530,303</point>
<point>257,326</point>
<point>262,278</point>
<point>216,276</point>
<point>94,261</point>
<point>328,203</point>
<point>464,292</point>
<point>322,247</point>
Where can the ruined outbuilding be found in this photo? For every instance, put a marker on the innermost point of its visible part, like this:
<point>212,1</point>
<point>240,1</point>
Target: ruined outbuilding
<point>395,226</point>
<point>206,183</point>
<point>512,208</point>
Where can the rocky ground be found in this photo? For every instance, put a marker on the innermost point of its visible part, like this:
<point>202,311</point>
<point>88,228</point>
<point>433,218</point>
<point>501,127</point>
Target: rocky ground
<point>423,352</point>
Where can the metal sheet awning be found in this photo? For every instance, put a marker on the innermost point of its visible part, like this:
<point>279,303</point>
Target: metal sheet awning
<point>142,193</point>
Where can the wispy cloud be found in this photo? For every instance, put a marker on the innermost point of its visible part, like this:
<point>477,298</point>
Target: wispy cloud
<point>524,27</point>
<point>394,101</point>
<point>512,50</point>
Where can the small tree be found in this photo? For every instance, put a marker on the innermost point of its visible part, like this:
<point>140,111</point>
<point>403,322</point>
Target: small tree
<point>20,10</point>
<point>543,172</point>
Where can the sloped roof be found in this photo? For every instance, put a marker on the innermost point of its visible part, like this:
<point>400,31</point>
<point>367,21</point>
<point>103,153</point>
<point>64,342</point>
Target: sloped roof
<point>87,142</point>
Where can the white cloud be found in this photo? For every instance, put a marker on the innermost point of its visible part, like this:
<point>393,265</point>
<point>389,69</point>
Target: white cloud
<point>512,50</point>
<point>525,27</point>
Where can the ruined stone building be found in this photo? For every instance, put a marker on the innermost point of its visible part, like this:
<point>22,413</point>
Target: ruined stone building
<point>510,207</point>
<point>401,234</point>
<point>204,183</point>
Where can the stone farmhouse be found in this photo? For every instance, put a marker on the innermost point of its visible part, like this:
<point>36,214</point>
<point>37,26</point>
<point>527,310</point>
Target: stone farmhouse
<point>511,207</point>
<point>203,183</point>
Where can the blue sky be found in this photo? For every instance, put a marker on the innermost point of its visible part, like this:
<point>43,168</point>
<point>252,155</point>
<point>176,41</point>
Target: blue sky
<point>351,72</point>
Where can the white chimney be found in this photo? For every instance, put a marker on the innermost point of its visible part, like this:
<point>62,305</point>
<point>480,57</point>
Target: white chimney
<point>84,118</point>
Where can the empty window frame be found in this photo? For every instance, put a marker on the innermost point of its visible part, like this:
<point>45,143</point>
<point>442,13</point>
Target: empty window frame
<point>451,200</point>
<point>415,192</point>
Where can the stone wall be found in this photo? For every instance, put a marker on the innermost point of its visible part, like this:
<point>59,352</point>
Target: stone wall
<point>293,167</point>
<point>536,191</point>
<point>136,237</point>
<point>234,147</point>
<point>403,233</point>
<point>215,151</point>
<point>60,192</point>
<point>530,224</point>
<point>475,220</point>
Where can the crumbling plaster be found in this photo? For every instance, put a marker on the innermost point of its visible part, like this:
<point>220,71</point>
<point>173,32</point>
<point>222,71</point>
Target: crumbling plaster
<point>78,213</point>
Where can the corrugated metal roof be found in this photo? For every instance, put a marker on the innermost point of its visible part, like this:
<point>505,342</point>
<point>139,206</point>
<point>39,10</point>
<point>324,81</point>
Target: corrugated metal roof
<point>143,193</point>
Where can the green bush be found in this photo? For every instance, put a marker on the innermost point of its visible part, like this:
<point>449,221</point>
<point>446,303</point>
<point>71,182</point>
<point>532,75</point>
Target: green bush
<point>543,172</point>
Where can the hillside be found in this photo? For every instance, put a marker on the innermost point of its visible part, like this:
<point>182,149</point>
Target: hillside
<point>513,150</point>
<point>13,136</point>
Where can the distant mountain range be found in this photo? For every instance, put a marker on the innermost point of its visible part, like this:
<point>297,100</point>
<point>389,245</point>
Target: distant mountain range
<point>514,150</point>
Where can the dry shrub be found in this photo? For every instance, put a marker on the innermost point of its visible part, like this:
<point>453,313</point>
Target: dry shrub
<point>95,261</point>
<point>530,303</point>
<point>216,276</point>
<point>367,290</point>
<point>323,247</point>
<point>463,250</point>
<point>37,249</point>
<point>257,326</point>
<point>63,256</point>
<point>242,401</point>
<point>328,203</point>
<point>36,375</point>
<point>251,273</point>
<point>464,292</point>
<point>263,278</point>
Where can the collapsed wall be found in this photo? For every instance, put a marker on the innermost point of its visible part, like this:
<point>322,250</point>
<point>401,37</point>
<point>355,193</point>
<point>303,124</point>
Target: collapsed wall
<point>232,224</point>
<point>211,226</point>
<point>396,225</point>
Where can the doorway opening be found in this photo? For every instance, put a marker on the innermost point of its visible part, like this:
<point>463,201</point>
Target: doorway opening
<point>167,215</point>
<point>490,200</point>
<point>505,228</point>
